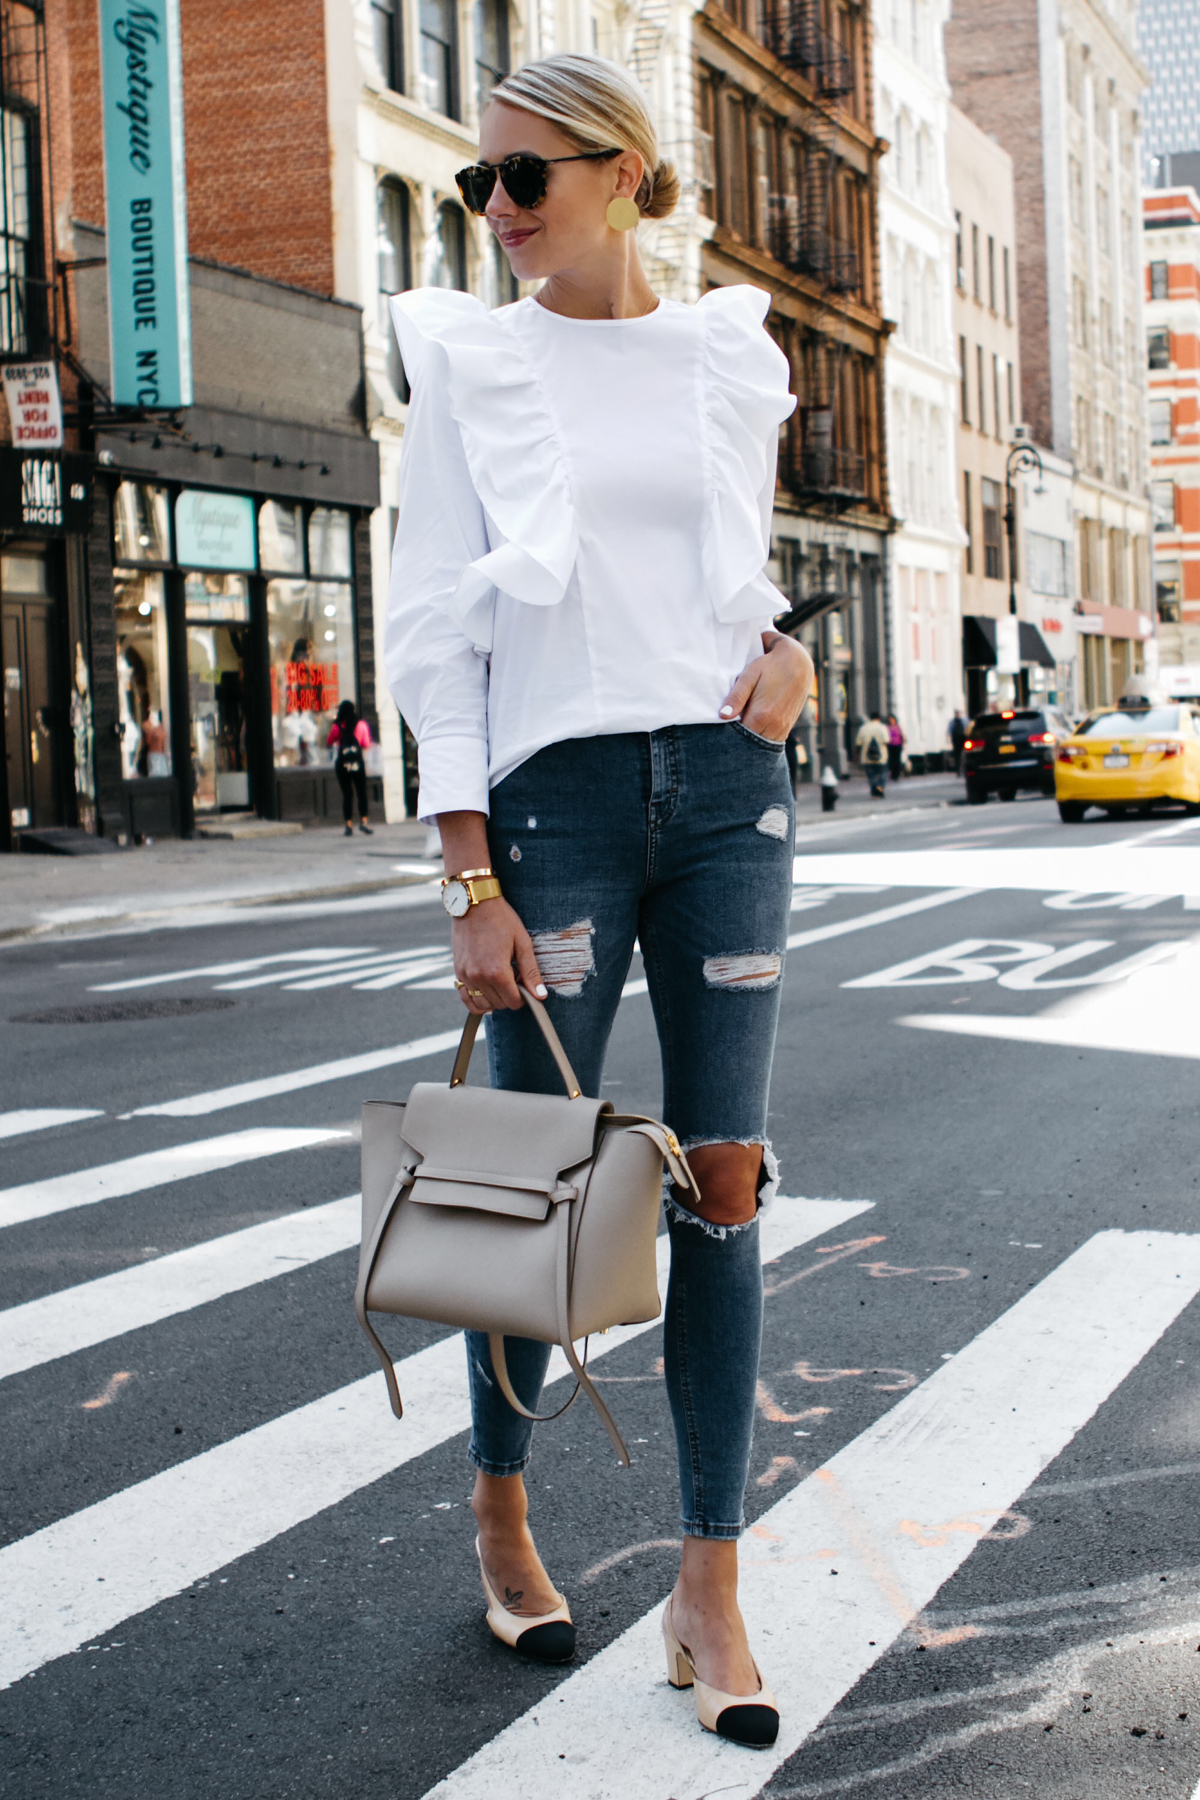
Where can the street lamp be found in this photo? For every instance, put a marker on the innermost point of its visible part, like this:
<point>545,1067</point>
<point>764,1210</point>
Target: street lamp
<point>1023,455</point>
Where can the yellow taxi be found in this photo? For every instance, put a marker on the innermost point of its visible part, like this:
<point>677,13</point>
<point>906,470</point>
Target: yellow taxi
<point>1129,756</point>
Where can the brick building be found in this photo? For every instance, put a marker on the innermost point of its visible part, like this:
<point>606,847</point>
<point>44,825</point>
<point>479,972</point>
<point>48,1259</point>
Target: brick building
<point>201,627</point>
<point>1058,84</point>
<point>788,185</point>
<point>1172,248</point>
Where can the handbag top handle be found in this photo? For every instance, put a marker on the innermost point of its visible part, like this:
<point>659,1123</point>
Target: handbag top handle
<point>467,1043</point>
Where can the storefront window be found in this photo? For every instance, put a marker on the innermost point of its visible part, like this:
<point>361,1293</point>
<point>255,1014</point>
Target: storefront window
<point>141,524</point>
<point>145,718</point>
<point>311,635</point>
<point>329,542</point>
<point>217,608</point>
<point>281,537</point>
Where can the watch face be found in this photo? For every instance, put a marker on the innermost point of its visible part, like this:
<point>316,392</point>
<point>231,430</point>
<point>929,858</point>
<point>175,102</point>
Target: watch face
<point>456,899</point>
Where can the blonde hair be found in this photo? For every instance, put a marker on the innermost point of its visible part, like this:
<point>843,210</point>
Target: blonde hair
<point>597,106</point>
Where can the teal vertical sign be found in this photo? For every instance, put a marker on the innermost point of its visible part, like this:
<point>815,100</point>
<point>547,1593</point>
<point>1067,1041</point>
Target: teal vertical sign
<point>149,320</point>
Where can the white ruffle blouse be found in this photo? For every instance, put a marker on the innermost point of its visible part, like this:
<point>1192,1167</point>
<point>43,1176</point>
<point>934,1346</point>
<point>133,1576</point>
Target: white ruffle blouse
<point>584,519</point>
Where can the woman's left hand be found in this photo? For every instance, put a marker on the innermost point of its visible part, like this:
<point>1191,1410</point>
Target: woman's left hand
<point>769,694</point>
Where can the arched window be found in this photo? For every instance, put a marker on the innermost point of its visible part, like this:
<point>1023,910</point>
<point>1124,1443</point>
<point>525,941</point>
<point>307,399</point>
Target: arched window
<point>491,47</point>
<point>394,261</point>
<point>448,262</point>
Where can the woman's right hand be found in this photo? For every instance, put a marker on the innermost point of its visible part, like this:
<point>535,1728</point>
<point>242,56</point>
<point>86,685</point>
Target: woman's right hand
<point>492,951</point>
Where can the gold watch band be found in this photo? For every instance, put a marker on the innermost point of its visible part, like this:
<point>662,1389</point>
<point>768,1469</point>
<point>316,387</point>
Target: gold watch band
<point>481,887</point>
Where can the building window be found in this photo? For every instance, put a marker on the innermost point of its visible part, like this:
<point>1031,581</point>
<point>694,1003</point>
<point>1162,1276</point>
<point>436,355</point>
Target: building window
<point>959,260</point>
<point>20,312</point>
<point>1075,190</point>
<point>394,263</point>
<point>1102,220</point>
<point>491,47</point>
<point>387,30</point>
<point>1079,312</point>
<point>1160,422</point>
<point>1046,564</point>
<point>1158,348</point>
<point>141,524</point>
<point>448,267</point>
<point>964,384</point>
<point>1007,289</point>
<point>975,274</point>
<point>1168,592</point>
<point>992,272</point>
<point>1012,401</point>
<point>142,691</point>
<point>968,522</point>
<point>281,537</point>
<point>439,55</point>
<point>990,497</point>
<point>980,389</point>
<point>1159,281</point>
<point>997,415</point>
<point>1162,505</point>
<point>1106,332</point>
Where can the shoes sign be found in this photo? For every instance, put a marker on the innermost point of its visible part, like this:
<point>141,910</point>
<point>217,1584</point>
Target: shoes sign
<point>34,405</point>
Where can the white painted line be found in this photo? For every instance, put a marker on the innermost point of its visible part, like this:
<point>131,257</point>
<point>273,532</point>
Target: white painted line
<point>229,968</point>
<point>633,988</point>
<point>43,1118</point>
<point>1183,1038</point>
<point>155,1168</point>
<point>1098,868</point>
<point>76,1318</point>
<point>895,1513</point>
<point>194,1106</point>
<point>84,1574</point>
<point>819,933</point>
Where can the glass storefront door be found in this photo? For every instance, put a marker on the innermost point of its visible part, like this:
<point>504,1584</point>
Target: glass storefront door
<point>217,614</point>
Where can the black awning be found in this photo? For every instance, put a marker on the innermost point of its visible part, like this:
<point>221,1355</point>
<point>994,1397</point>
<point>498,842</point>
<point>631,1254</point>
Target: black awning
<point>979,641</point>
<point>1033,646</point>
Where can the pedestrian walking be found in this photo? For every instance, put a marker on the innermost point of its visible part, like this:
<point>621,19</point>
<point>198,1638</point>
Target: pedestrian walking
<point>873,743</point>
<point>895,747</point>
<point>352,736</point>
<point>956,731</point>
<point>580,496</point>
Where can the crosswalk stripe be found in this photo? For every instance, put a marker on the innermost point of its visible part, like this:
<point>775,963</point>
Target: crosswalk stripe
<point>818,934</point>
<point>84,1574</point>
<point>193,1106</point>
<point>43,1118</point>
<point>383,972</point>
<point>75,1318</point>
<point>230,968</point>
<point>334,969</point>
<point>894,1514</point>
<point>1038,869</point>
<point>154,1168</point>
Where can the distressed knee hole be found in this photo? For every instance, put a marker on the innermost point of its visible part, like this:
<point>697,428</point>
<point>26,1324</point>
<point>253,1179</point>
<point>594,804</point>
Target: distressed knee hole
<point>514,854</point>
<point>748,969</point>
<point>774,823</point>
<point>565,957</point>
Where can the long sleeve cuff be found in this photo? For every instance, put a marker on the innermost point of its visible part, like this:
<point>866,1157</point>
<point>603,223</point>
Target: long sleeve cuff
<point>454,776</point>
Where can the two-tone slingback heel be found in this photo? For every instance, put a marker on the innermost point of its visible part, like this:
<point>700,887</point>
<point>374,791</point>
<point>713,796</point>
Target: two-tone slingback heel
<point>749,1719</point>
<point>548,1638</point>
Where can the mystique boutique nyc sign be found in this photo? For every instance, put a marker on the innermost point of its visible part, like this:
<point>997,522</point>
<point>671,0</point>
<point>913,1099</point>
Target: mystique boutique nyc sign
<point>149,319</point>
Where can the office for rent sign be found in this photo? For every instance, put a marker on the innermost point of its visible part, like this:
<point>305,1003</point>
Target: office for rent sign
<point>145,198</point>
<point>34,405</point>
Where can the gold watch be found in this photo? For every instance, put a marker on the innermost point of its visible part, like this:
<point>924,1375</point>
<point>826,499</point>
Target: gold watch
<point>461,892</point>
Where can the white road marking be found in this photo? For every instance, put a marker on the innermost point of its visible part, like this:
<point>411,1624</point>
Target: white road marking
<point>81,1576</point>
<point>819,933</point>
<point>895,1513</point>
<point>76,1318</point>
<point>228,968</point>
<point>1098,868</point>
<point>1154,1012</point>
<point>134,1174</point>
<point>193,1106</point>
<point>43,1118</point>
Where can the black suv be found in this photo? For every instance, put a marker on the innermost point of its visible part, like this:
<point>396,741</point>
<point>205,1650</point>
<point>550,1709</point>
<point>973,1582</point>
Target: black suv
<point>1013,749</point>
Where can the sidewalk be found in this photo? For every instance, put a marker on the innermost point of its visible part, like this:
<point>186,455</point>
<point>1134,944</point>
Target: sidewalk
<point>40,895</point>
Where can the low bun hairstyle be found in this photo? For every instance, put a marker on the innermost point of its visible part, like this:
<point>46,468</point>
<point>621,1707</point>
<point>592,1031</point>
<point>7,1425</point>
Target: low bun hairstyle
<point>596,105</point>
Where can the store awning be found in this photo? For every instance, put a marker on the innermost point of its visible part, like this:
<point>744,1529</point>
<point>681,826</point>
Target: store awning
<point>1033,646</point>
<point>979,641</point>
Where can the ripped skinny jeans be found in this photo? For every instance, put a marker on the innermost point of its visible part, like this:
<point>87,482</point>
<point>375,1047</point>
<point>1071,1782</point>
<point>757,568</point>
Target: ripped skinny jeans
<point>679,840</point>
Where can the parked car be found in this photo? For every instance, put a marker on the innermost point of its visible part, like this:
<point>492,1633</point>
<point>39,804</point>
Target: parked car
<point>1014,749</point>
<point>1130,756</point>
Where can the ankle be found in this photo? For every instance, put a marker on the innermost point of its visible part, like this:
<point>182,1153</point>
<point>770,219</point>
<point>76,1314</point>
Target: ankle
<point>500,1505</point>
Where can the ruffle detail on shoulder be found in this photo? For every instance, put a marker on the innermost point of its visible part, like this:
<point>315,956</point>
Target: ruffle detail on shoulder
<point>511,447</point>
<point>746,386</point>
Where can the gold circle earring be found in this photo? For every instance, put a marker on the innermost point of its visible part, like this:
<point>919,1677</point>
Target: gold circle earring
<point>622,213</point>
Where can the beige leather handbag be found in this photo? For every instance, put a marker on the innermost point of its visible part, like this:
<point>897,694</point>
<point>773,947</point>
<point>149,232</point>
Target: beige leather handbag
<point>522,1215</point>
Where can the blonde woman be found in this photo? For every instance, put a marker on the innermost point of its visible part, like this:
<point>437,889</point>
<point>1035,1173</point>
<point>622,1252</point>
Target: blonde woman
<point>581,636</point>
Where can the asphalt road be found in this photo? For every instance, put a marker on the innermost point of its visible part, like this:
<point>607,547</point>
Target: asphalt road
<point>226,1570</point>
